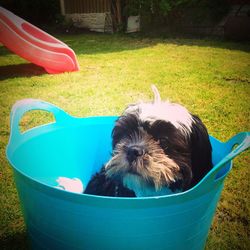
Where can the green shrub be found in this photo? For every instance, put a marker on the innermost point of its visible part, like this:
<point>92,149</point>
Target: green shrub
<point>35,11</point>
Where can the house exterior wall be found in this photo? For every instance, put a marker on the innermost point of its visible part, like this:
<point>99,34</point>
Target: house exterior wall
<point>94,15</point>
<point>99,22</point>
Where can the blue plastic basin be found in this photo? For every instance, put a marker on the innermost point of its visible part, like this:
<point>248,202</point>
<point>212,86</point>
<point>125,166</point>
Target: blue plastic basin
<point>78,147</point>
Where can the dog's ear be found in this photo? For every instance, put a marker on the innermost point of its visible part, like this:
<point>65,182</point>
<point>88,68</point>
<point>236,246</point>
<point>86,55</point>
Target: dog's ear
<point>157,97</point>
<point>125,126</point>
<point>201,150</point>
<point>117,132</point>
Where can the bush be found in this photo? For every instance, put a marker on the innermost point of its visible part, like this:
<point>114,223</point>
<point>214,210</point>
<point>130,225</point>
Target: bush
<point>171,10</point>
<point>35,11</point>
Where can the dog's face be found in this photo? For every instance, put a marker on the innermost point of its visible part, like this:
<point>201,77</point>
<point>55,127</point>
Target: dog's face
<point>152,146</point>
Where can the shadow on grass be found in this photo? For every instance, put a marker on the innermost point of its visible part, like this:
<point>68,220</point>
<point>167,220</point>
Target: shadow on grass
<point>20,70</point>
<point>4,51</point>
<point>92,43</point>
<point>16,242</point>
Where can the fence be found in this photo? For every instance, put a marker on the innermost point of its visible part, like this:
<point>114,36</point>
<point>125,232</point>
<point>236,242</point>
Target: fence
<point>87,6</point>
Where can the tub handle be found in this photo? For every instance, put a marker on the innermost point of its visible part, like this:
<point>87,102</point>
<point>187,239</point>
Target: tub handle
<point>25,105</point>
<point>242,140</point>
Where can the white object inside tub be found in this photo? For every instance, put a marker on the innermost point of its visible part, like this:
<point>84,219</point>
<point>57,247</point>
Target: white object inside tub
<point>70,184</point>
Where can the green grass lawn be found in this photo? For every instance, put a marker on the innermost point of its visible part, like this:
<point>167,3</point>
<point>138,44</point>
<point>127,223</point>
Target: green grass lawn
<point>211,78</point>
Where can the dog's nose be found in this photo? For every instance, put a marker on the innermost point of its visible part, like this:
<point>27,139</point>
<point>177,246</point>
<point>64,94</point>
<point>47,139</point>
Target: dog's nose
<point>134,152</point>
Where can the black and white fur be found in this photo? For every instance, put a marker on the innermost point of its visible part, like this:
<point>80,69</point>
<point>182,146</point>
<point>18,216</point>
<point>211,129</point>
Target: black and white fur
<point>159,147</point>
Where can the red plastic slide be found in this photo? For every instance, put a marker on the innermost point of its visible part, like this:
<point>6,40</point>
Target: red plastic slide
<point>35,45</point>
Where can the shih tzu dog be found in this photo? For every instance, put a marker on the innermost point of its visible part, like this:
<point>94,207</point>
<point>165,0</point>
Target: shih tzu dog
<point>159,148</point>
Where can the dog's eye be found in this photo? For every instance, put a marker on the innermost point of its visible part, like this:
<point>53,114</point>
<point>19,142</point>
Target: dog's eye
<point>163,140</point>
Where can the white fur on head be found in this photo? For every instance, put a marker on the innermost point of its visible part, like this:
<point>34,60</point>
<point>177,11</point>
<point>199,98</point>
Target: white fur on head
<point>157,97</point>
<point>163,110</point>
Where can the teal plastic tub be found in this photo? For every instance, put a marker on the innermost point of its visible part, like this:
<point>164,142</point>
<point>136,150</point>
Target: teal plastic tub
<point>78,147</point>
